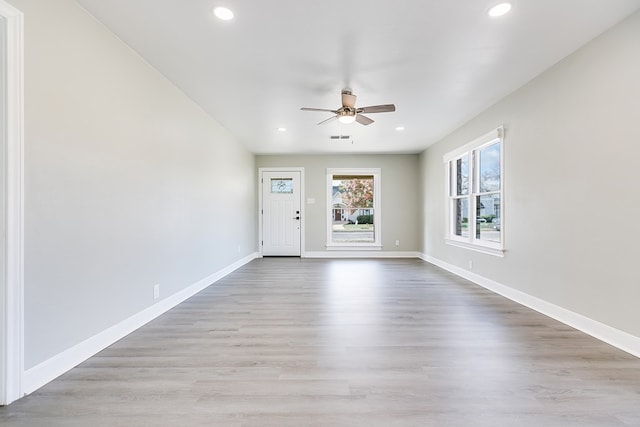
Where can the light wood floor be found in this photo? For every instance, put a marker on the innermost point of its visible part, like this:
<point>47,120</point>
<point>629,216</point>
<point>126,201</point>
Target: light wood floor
<point>291,342</point>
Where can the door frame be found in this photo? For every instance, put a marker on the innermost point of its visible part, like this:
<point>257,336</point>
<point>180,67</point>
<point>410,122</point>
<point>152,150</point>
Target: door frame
<point>302,202</point>
<point>12,284</point>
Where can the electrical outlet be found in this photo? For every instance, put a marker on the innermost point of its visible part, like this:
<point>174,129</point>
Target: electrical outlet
<point>397,242</point>
<point>156,291</point>
<point>470,265</point>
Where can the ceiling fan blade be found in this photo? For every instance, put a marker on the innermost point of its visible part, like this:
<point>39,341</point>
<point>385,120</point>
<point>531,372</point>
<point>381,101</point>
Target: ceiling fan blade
<point>363,120</point>
<point>319,109</point>
<point>330,119</point>
<point>348,100</point>
<point>377,109</point>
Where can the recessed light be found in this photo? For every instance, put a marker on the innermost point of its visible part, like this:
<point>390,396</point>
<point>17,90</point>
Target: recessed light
<point>223,13</point>
<point>282,129</point>
<point>499,9</point>
<point>400,128</point>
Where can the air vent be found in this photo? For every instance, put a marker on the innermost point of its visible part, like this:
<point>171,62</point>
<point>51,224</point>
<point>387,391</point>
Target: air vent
<point>340,137</point>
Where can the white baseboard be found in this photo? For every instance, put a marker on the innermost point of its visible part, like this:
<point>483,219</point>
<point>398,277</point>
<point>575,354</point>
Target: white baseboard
<point>41,374</point>
<point>361,254</point>
<point>615,337</point>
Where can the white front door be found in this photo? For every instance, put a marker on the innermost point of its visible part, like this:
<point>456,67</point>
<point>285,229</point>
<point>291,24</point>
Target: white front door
<point>281,213</point>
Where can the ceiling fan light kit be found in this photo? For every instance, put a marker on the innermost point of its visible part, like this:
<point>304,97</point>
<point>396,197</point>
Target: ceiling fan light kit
<point>500,9</point>
<point>346,117</point>
<point>348,113</point>
<point>223,13</point>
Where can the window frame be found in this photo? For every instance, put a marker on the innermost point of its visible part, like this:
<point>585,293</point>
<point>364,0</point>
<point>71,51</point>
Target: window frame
<point>377,209</point>
<point>471,150</point>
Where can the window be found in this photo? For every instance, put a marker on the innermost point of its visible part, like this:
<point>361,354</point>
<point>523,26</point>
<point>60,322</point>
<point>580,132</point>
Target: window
<point>282,185</point>
<point>353,217</point>
<point>474,194</point>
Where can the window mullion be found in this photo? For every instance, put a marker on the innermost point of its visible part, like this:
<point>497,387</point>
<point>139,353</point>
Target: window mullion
<point>473,189</point>
<point>472,218</point>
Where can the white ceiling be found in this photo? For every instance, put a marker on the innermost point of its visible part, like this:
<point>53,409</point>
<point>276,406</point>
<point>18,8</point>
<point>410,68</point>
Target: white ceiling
<point>440,62</point>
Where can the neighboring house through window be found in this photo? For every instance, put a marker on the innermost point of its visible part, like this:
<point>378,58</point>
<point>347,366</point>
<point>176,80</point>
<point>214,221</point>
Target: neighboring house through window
<point>353,220</point>
<point>474,191</point>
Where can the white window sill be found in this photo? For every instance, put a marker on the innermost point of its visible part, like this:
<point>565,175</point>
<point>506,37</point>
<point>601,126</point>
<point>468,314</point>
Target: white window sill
<point>489,250</point>
<point>353,247</point>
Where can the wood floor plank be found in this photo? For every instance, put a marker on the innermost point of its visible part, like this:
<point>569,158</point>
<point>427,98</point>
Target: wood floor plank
<point>307,342</point>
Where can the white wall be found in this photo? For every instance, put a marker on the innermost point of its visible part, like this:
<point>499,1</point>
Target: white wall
<point>400,209</point>
<point>572,199</point>
<point>128,183</point>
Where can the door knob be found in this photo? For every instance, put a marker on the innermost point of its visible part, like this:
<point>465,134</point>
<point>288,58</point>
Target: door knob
<point>297,217</point>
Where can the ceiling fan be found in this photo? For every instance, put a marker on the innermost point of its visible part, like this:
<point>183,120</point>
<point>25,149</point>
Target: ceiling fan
<point>348,113</point>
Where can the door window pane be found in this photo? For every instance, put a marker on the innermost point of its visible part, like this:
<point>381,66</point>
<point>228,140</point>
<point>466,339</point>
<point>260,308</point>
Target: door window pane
<point>282,185</point>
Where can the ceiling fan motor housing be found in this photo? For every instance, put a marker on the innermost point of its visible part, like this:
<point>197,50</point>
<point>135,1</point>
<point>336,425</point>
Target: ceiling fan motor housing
<point>346,111</point>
